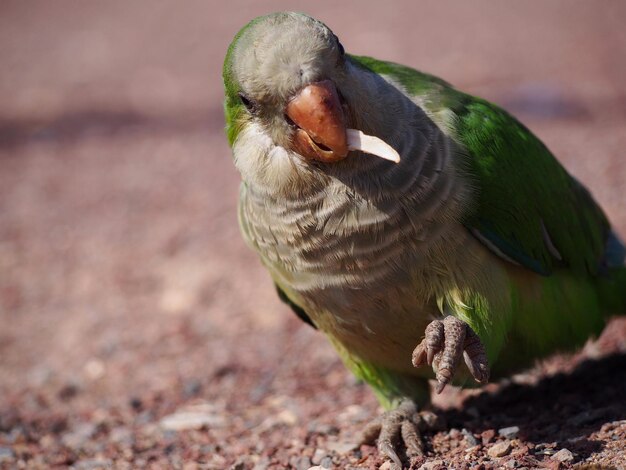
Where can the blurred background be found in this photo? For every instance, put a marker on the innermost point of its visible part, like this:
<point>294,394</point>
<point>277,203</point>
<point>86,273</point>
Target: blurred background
<point>127,296</point>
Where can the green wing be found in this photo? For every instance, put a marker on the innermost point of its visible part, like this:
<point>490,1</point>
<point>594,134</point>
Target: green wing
<point>528,206</point>
<point>528,209</point>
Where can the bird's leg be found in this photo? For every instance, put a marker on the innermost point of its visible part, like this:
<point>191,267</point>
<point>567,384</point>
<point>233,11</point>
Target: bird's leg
<point>444,343</point>
<point>404,424</point>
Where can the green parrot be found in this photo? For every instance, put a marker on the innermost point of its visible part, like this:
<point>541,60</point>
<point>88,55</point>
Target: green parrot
<point>411,223</point>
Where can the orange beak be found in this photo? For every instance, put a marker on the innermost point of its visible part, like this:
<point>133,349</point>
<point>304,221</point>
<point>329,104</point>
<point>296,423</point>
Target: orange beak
<point>321,133</point>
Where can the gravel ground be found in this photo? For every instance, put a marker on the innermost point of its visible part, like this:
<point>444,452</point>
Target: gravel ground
<point>137,329</point>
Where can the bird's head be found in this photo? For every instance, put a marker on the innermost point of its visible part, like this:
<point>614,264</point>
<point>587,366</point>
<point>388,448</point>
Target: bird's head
<point>289,103</point>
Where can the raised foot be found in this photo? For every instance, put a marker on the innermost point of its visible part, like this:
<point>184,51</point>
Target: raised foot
<point>444,343</point>
<point>400,428</point>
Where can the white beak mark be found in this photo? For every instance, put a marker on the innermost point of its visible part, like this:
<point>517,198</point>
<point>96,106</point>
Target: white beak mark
<point>357,140</point>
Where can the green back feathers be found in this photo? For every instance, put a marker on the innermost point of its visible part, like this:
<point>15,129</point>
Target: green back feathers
<point>415,82</point>
<point>527,207</point>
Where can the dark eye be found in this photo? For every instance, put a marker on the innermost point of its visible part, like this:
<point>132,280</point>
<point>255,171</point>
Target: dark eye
<point>248,103</point>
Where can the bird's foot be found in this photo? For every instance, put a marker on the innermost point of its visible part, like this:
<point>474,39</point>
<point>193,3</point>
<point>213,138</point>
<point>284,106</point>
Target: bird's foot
<point>444,343</point>
<point>405,424</point>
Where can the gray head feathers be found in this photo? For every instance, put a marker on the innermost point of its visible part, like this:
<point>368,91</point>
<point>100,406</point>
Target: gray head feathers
<point>278,54</point>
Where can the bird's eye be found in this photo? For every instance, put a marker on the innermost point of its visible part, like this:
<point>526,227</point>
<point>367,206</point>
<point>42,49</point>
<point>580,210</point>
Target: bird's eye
<point>248,103</point>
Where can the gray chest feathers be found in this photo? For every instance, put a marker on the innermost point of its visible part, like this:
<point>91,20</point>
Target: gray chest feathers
<point>387,225</point>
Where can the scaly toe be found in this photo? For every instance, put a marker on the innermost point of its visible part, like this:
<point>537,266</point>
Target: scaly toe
<point>394,428</point>
<point>434,337</point>
<point>431,345</point>
<point>454,330</point>
<point>412,439</point>
<point>475,356</point>
<point>445,342</point>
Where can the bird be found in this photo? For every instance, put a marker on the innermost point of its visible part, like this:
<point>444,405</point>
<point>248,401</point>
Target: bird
<point>418,227</point>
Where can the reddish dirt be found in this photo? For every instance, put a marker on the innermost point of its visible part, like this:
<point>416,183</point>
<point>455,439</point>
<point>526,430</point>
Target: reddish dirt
<point>127,295</point>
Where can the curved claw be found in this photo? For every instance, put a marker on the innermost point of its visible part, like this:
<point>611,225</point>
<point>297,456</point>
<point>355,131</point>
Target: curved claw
<point>386,448</point>
<point>476,357</point>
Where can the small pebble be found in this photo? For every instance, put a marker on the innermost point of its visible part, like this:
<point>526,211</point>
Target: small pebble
<point>354,414</point>
<point>282,418</point>
<point>564,455</point>
<point>544,449</point>
<point>487,436</point>
<point>94,368</point>
<point>79,436</point>
<point>122,436</point>
<point>6,454</point>
<point>135,403</point>
<point>193,417</point>
<point>318,455</point>
<point>469,438</point>
<point>214,460</point>
<point>15,436</point>
<point>69,391</point>
<point>323,428</point>
<point>326,462</point>
<point>341,447</point>
<point>472,450</point>
<point>500,449</point>
<point>432,465</point>
<point>303,463</point>
<point>510,432</point>
<point>93,464</point>
<point>192,388</point>
<point>264,463</point>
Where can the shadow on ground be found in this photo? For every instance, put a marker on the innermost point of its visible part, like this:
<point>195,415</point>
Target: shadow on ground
<point>564,408</point>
